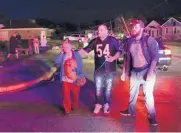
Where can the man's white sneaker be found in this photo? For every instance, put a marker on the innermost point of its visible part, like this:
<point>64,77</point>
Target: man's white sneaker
<point>106,108</point>
<point>97,108</point>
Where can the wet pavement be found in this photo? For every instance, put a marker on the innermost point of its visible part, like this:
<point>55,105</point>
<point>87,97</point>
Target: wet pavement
<point>39,108</point>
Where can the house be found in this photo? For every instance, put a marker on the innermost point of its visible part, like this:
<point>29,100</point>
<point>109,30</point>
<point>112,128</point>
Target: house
<point>25,28</point>
<point>153,29</point>
<point>171,29</point>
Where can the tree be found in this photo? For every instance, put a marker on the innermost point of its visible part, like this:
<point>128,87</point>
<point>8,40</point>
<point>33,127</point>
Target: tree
<point>57,29</point>
<point>51,26</point>
<point>122,24</point>
<point>97,22</point>
<point>142,17</point>
<point>3,19</point>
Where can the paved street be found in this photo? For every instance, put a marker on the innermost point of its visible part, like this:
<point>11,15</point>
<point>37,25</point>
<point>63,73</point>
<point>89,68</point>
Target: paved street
<point>39,108</point>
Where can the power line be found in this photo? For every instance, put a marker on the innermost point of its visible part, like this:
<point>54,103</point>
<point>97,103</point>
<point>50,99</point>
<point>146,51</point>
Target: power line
<point>109,22</point>
<point>155,7</point>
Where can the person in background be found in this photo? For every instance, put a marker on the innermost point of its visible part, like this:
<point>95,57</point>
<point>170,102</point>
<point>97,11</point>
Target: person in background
<point>18,36</point>
<point>43,44</point>
<point>13,46</point>
<point>85,41</point>
<point>36,44</point>
<point>30,45</point>
<point>67,40</point>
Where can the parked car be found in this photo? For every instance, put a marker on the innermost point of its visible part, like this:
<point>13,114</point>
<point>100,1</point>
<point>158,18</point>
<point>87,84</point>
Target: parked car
<point>75,37</point>
<point>164,57</point>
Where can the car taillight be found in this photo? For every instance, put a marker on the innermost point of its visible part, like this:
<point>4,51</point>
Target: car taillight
<point>168,52</point>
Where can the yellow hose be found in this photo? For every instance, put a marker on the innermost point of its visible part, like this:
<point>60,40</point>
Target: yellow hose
<point>25,85</point>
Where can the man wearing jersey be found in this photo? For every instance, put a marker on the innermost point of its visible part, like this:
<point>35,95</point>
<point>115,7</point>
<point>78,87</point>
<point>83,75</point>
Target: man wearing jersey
<point>106,51</point>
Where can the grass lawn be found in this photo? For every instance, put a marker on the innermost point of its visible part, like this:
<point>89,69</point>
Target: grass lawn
<point>76,45</point>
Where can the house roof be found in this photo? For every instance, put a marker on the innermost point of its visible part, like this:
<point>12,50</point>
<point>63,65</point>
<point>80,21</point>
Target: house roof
<point>20,24</point>
<point>159,21</point>
<point>176,19</point>
<point>179,19</point>
<point>152,26</point>
<point>164,20</point>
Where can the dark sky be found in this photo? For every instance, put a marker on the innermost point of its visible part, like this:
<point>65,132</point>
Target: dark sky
<point>84,10</point>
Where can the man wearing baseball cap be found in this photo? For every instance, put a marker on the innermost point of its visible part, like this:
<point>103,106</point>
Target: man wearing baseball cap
<point>140,66</point>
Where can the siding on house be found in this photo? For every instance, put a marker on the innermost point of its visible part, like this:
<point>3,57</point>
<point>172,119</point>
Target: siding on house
<point>153,29</point>
<point>171,29</point>
<point>25,28</point>
<point>5,34</point>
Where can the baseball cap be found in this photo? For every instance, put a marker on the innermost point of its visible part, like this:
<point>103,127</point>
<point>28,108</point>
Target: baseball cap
<point>136,21</point>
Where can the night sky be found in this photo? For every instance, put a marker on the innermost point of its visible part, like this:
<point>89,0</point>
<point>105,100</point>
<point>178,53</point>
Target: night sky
<point>85,10</point>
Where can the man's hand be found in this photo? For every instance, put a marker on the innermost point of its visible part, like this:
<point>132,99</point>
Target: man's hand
<point>109,58</point>
<point>112,58</point>
<point>149,75</point>
<point>82,52</point>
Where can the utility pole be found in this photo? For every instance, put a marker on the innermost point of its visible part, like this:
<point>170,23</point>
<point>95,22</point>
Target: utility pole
<point>111,26</point>
<point>10,23</point>
<point>124,25</point>
<point>78,27</point>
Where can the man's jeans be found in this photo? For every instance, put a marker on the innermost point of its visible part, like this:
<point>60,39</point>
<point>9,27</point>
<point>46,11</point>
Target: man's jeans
<point>137,79</point>
<point>103,80</point>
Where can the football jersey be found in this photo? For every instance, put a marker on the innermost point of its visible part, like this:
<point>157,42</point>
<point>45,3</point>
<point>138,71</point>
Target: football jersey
<point>109,46</point>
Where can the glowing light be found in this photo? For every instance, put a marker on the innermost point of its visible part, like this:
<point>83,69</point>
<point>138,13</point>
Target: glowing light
<point>167,52</point>
<point>89,35</point>
<point>167,58</point>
